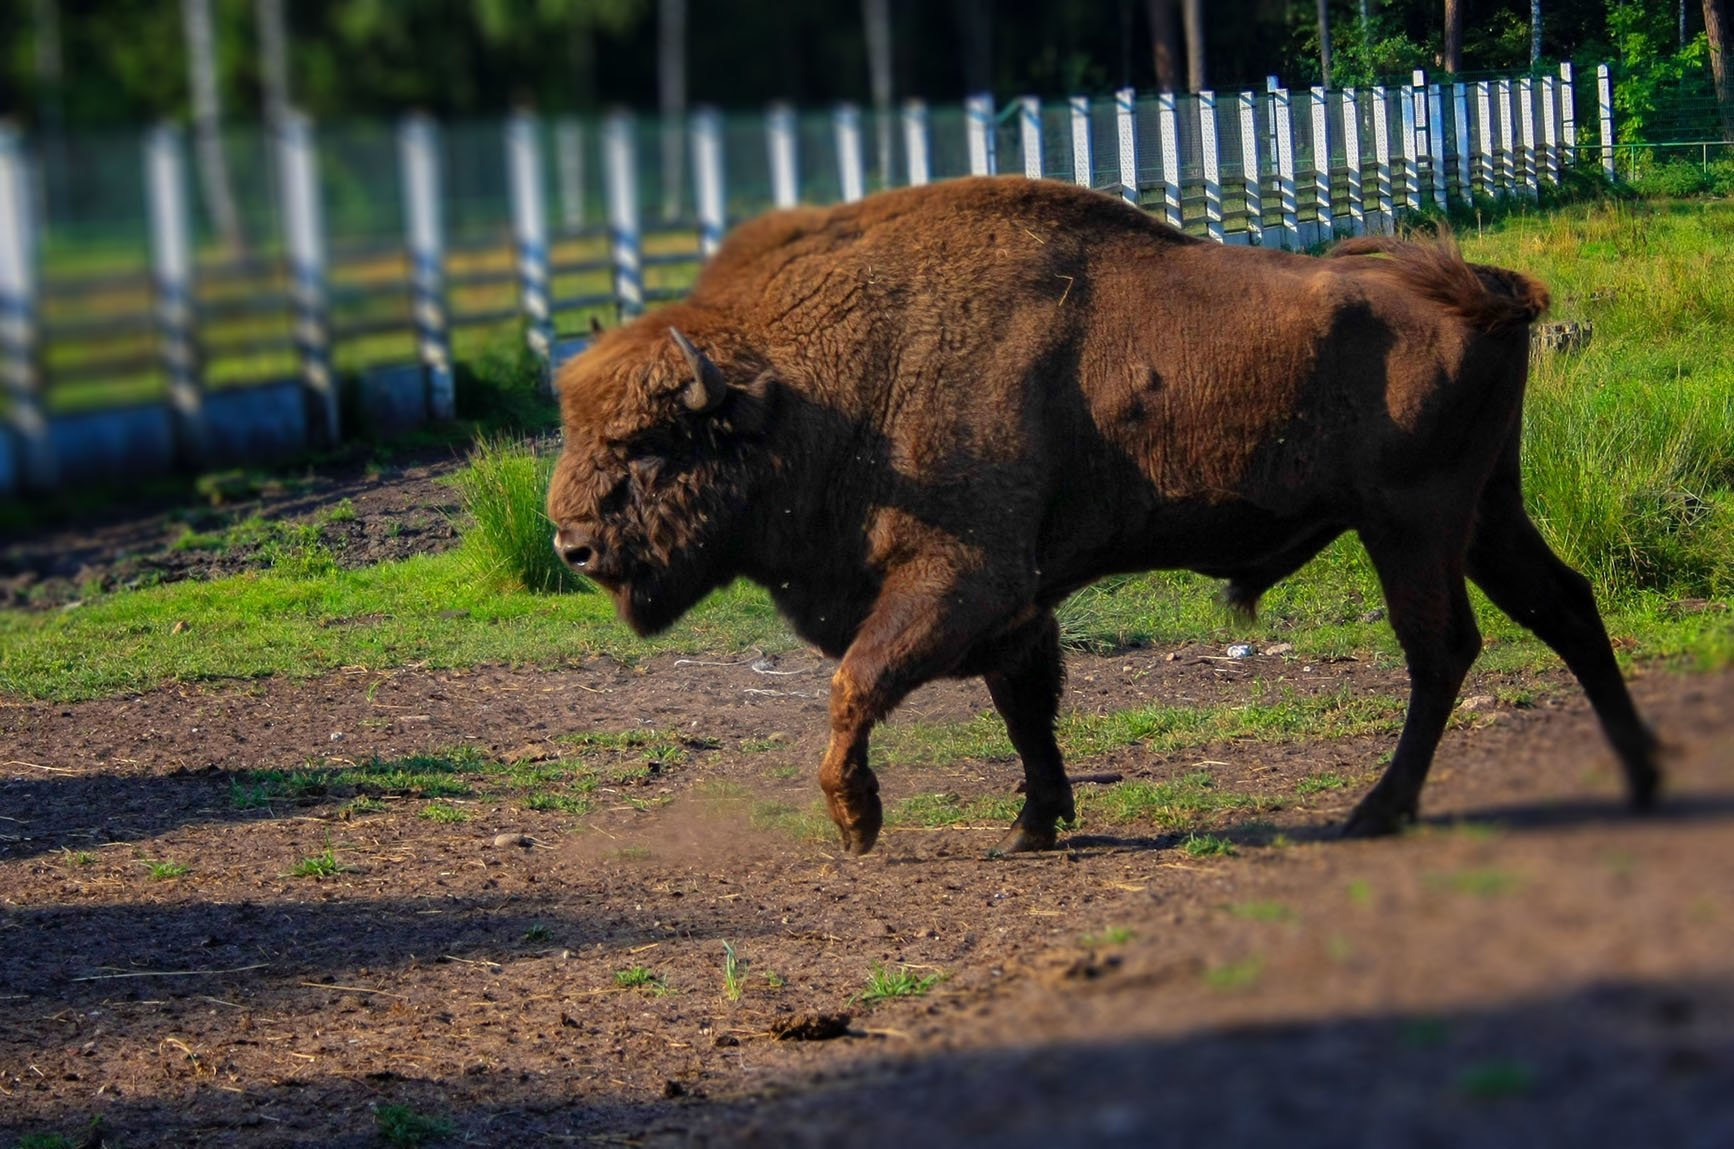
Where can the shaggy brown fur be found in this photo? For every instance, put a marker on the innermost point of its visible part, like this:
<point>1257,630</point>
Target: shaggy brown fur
<point>923,419</point>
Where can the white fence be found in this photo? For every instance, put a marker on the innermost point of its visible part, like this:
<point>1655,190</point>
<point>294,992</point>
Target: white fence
<point>1281,168</point>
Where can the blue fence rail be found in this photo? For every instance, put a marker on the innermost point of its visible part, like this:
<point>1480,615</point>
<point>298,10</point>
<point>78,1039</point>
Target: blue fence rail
<point>377,257</point>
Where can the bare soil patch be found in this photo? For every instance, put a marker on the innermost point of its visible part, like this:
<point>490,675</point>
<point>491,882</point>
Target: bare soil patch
<point>1531,966</point>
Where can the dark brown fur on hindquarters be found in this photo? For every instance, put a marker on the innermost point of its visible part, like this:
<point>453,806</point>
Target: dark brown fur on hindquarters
<point>923,419</point>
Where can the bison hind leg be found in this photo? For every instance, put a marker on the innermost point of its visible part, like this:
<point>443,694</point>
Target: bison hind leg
<point>1242,599</point>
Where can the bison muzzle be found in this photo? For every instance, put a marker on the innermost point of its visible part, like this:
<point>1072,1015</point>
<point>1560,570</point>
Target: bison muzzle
<point>922,420</point>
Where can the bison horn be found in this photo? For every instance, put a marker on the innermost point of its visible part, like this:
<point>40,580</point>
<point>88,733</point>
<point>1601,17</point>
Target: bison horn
<point>707,388</point>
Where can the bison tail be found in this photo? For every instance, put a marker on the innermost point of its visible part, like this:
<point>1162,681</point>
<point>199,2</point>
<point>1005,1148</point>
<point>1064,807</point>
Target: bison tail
<point>1490,298</point>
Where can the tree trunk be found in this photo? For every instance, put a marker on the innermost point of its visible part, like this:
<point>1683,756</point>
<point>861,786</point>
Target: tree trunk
<point>1721,61</point>
<point>876,14</point>
<point>208,126</point>
<point>1452,57</point>
<point>1164,43</point>
<point>1366,17</point>
<point>1192,13</point>
<point>1534,33</point>
<point>975,23</point>
<point>671,90</point>
<point>1325,42</point>
<point>273,59</point>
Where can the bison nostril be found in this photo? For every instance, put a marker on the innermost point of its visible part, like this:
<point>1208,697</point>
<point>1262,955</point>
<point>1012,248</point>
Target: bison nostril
<point>578,556</point>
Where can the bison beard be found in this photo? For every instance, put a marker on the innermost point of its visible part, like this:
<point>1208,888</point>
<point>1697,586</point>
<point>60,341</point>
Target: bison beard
<point>923,419</point>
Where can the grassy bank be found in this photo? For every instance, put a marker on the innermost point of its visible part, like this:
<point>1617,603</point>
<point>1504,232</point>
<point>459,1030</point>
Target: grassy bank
<point>1630,471</point>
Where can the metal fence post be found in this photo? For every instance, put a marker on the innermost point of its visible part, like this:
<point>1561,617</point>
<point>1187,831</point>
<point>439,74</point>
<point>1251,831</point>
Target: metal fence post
<point>569,171</point>
<point>1436,140</point>
<point>304,223</point>
<point>1465,170</point>
<point>1526,125</point>
<point>1382,158</point>
<point>978,122</point>
<point>707,175</point>
<point>1126,134</point>
<point>20,365</point>
<point>1282,124</point>
<point>1210,147</point>
<point>1030,135</point>
<point>620,173</point>
<point>1251,178</point>
<point>1168,128</point>
<point>418,145</point>
<point>172,284</point>
<point>1605,108</point>
<point>915,141</point>
<point>530,230</point>
<point>1324,224</point>
<point>1082,172</point>
<point>851,169</point>
<point>1352,156</point>
<point>780,140</point>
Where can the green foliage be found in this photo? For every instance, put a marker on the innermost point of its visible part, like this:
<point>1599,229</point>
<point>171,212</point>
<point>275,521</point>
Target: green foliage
<point>1112,936</point>
<point>320,865</point>
<point>163,871</point>
<point>509,541</point>
<point>642,978</point>
<point>443,812</point>
<point>1497,1080</point>
<point>1208,846</point>
<point>1232,976</point>
<point>1652,65</point>
<point>734,973</point>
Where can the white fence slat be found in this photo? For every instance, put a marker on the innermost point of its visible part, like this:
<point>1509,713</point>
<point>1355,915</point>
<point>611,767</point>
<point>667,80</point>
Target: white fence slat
<point>1485,136</point>
<point>1507,149</point>
<point>851,167</point>
<point>1324,225</point>
<point>1411,148</point>
<point>1082,172</point>
<point>1210,148</point>
<point>978,124</point>
<point>1465,153</point>
<point>1351,109</point>
<point>1382,159</point>
<point>20,361</point>
<point>1568,113</point>
<point>780,142</point>
<point>915,141</point>
<point>1282,126</point>
<point>424,232</point>
<point>1605,108</point>
<point>1436,143</point>
<point>1550,128</point>
<point>1126,131</point>
<point>304,228</point>
<point>175,293</point>
<point>530,233</point>
<point>1526,125</point>
<point>1251,177</point>
<point>709,183</point>
<point>1030,135</point>
<point>625,229</point>
<point>1168,129</point>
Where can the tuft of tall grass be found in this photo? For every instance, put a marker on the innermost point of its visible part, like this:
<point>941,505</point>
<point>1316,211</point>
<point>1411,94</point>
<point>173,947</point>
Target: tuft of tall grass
<point>509,542</point>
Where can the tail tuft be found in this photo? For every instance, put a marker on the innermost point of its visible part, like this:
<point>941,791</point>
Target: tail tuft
<point>1491,298</point>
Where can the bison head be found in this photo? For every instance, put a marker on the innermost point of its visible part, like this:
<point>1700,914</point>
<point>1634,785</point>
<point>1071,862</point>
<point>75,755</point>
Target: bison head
<point>655,471</point>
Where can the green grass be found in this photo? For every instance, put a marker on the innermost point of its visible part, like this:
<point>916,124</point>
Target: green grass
<point>885,983</point>
<point>1496,1080</point>
<point>1483,883</point>
<point>642,978</point>
<point>1261,911</point>
<point>1208,846</point>
<point>165,870</point>
<point>1183,803</point>
<point>1629,470</point>
<point>1320,784</point>
<point>444,813</point>
<point>320,865</point>
<point>402,1125</point>
<point>1230,977</point>
<point>1112,936</point>
<point>734,973</point>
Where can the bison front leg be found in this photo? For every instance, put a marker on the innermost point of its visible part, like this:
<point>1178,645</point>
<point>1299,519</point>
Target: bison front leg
<point>1026,692</point>
<point>917,631</point>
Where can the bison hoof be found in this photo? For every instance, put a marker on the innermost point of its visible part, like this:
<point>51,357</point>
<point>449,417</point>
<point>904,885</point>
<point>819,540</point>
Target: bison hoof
<point>1376,820</point>
<point>858,818</point>
<point>1023,840</point>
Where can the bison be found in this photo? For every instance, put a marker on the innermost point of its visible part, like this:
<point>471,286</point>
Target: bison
<point>923,419</point>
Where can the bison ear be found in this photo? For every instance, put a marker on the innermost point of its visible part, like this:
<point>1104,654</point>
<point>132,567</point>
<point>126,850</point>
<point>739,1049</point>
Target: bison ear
<point>706,389</point>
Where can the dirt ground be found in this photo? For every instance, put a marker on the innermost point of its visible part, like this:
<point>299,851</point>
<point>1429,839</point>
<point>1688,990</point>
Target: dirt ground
<point>1531,966</point>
